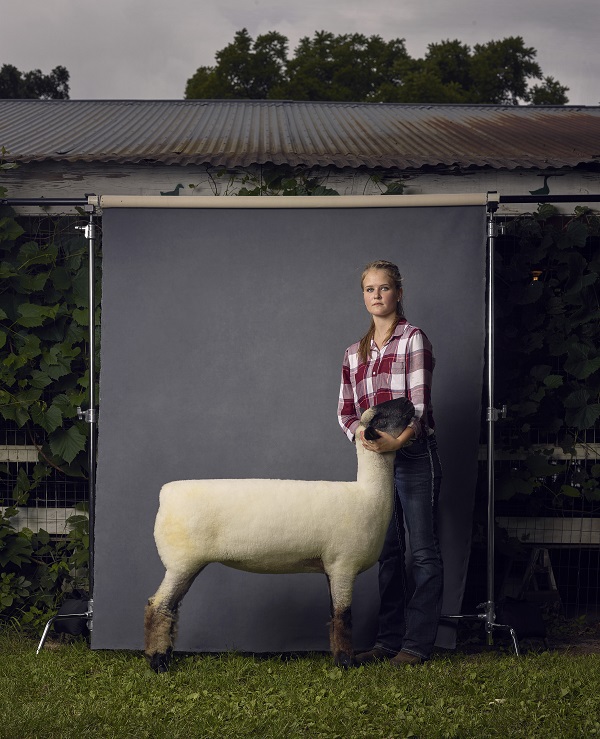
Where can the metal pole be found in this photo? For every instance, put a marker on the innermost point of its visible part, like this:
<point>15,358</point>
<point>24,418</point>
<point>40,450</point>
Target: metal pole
<point>490,614</point>
<point>90,414</point>
<point>45,202</point>
<point>91,236</point>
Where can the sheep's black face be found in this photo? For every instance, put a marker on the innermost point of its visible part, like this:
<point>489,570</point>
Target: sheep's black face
<point>392,417</point>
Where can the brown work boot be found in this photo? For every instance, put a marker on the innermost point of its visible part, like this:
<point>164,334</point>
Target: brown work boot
<point>373,655</point>
<point>406,658</point>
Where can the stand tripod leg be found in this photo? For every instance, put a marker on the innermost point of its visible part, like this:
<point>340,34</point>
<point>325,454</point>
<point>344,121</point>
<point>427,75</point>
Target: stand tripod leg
<point>489,627</point>
<point>87,616</point>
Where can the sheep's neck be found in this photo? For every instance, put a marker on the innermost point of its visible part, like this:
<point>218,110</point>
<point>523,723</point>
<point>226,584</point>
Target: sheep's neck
<point>375,471</point>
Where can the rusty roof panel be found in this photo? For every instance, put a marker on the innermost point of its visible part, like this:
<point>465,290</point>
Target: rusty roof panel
<point>239,133</point>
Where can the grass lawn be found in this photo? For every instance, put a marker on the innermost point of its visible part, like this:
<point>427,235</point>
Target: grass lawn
<point>71,691</point>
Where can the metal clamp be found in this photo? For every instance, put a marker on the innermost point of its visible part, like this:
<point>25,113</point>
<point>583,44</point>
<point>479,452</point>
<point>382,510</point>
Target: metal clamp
<point>88,416</point>
<point>495,414</point>
<point>89,231</point>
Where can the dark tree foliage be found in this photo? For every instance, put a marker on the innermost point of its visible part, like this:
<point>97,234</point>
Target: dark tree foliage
<point>244,69</point>
<point>353,67</point>
<point>17,85</point>
<point>350,67</point>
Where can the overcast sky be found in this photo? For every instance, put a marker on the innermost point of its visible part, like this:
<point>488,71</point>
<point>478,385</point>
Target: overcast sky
<point>145,49</point>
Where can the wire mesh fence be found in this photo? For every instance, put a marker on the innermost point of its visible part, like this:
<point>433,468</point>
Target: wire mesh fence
<point>547,505</point>
<point>44,357</point>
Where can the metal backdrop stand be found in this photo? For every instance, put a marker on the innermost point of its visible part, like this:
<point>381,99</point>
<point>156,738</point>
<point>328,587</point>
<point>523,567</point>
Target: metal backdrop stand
<point>493,414</point>
<point>90,414</point>
<point>90,203</point>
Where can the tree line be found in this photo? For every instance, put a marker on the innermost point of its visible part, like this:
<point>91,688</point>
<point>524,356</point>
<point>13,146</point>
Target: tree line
<point>346,67</point>
<point>358,68</point>
<point>17,85</point>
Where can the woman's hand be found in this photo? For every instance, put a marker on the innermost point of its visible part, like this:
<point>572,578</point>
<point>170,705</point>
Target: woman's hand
<point>386,442</point>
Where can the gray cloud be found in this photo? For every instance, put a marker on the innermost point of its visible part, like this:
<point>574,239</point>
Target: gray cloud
<point>148,49</point>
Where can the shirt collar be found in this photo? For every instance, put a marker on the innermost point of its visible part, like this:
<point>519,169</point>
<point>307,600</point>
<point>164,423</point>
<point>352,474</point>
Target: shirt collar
<point>398,331</point>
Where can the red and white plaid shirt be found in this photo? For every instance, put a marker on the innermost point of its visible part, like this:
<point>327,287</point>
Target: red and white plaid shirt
<point>403,368</point>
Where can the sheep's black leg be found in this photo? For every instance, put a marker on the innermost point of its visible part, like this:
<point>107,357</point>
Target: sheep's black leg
<point>340,626</point>
<point>341,637</point>
<point>160,621</point>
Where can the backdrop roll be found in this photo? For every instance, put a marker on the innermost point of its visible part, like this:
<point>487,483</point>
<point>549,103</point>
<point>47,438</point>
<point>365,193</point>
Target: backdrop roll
<point>223,334</point>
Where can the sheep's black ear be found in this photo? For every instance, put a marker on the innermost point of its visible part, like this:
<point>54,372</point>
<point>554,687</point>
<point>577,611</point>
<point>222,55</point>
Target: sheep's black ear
<point>371,434</point>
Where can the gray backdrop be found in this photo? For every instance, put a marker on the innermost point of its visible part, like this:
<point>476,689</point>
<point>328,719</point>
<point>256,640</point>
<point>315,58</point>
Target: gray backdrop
<point>223,333</point>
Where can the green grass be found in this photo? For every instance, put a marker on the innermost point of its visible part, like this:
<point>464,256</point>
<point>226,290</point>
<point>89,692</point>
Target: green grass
<point>71,691</point>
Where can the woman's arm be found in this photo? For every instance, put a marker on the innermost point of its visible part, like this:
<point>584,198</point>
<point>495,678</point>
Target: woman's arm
<point>347,415</point>
<point>387,442</point>
<point>419,373</point>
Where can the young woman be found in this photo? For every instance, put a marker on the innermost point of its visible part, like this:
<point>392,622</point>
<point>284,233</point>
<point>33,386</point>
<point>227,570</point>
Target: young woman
<point>395,359</point>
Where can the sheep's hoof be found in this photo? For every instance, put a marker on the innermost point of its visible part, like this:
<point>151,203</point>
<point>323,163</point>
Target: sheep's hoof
<point>159,661</point>
<point>343,659</point>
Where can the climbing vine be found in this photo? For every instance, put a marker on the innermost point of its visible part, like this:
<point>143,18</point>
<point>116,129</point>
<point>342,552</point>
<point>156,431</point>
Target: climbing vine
<point>272,179</point>
<point>43,379</point>
<point>547,355</point>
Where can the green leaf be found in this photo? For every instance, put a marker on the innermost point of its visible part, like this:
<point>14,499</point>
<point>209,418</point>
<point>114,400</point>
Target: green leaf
<point>33,283</point>
<point>28,346</point>
<point>539,466</point>
<point>10,229</point>
<point>48,418</point>
<point>583,418</point>
<point>67,404</point>
<point>545,211</point>
<point>35,315</point>
<point>509,486</point>
<point>570,491</point>
<point>320,190</point>
<point>553,381</point>
<point>33,253</point>
<point>82,316</point>
<point>2,339</point>
<point>55,366</point>
<point>15,412</point>
<point>575,235</point>
<point>540,371</point>
<point>61,279</point>
<point>527,408</point>
<point>23,485</point>
<point>577,399</point>
<point>39,379</point>
<point>67,443</point>
<point>6,270</point>
<point>394,188</point>
<point>14,361</point>
<point>582,368</point>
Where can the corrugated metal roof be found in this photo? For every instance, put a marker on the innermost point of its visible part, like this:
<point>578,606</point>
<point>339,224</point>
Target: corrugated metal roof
<point>238,133</point>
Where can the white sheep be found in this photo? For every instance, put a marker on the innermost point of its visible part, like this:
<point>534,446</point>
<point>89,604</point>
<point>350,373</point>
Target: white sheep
<point>277,526</point>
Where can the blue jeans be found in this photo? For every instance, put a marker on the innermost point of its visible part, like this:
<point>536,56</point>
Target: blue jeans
<point>409,621</point>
